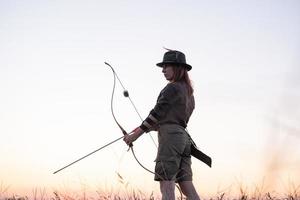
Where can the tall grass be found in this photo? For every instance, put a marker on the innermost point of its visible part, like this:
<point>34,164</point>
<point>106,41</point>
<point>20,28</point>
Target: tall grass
<point>137,194</point>
<point>123,191</point>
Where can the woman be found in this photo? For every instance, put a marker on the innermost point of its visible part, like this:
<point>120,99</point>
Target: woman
<point>169,117</point>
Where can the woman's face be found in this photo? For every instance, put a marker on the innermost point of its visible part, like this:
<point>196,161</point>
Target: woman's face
<point>168,72</point>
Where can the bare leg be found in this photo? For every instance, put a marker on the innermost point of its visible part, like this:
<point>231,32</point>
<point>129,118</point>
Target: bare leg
<point>167,189</point>
<point>189,190</point>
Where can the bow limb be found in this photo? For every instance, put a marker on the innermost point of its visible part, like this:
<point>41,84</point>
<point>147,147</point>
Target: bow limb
<point>119,125</point>
<point>112,100</point>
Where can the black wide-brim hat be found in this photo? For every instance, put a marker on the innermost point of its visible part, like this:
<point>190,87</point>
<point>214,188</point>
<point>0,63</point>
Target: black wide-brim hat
<point>175,58</point>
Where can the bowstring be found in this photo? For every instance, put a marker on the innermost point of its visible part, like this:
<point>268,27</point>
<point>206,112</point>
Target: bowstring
<point>112,112</point>
<point>132,103</point>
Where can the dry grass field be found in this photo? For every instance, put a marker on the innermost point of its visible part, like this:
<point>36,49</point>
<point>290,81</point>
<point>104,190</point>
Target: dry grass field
<point>137,194</point>
<point>123,191</point>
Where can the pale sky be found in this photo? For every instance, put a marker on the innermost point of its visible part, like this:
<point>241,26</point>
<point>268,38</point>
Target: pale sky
<point>55,89</point>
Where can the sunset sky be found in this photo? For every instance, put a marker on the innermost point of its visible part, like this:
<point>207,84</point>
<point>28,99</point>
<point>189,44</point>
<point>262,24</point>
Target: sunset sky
<point>55,90</point>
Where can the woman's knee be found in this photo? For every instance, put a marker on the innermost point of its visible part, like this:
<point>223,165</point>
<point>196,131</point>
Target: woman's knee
<point>167,185</point>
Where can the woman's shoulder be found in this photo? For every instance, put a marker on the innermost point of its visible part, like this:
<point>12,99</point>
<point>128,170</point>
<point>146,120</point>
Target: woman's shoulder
<point>175,88</point>
<point>178,85</point>
<point>172,86</point>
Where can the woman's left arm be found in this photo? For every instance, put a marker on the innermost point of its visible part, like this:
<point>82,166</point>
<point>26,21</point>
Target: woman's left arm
<point>167,96</point>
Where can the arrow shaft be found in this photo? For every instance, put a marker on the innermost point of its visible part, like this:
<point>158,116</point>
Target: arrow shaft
<point>87,155</point>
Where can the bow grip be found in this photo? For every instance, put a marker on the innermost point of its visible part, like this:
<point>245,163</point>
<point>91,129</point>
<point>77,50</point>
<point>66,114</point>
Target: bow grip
<point>125,133</point>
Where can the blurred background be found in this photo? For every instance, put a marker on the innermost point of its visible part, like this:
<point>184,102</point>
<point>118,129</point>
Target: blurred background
<point>55,91</point>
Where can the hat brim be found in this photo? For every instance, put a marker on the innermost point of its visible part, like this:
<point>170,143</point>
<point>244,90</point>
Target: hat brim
<point>187,66</point>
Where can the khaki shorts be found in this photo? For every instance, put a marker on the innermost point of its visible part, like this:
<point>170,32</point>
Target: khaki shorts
<point>173,161</point>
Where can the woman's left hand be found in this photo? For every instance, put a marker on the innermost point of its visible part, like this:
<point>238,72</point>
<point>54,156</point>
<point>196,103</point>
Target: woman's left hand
<point>131,137</point>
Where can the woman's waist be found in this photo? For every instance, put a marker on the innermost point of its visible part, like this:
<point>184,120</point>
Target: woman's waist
<point>170,127</point>
<point>171,122</point>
